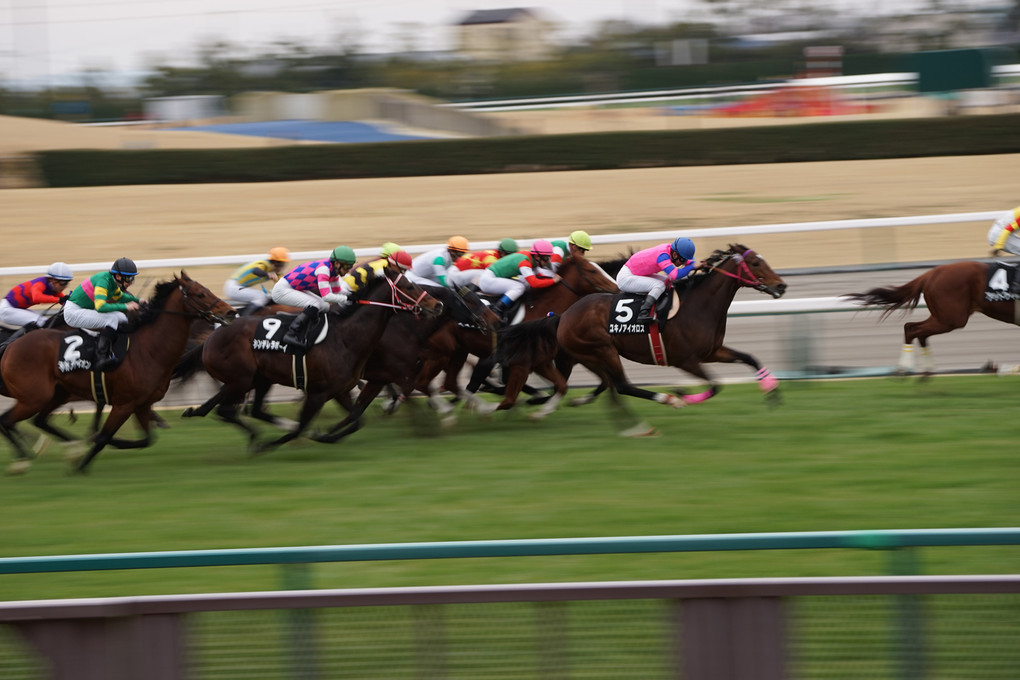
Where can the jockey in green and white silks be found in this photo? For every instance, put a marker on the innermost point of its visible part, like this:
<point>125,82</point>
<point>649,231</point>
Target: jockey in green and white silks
<point>100,303</point>
<point>432,268</point>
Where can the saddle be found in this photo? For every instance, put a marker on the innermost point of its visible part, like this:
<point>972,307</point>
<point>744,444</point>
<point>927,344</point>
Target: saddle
<point>78,351</point>
<point>270,330</point>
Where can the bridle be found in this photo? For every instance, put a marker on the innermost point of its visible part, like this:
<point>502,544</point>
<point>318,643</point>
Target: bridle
<point>744,275</point>
<point>400,301</point>
<point>205,313</point>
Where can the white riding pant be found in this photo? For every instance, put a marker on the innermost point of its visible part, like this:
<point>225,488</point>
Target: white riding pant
<point>463,277</point>
<point>1012,244</point>
<point>283,294</point>
<point>235,292</point>
<point>490,284</point>
<point>16,316</point>
<point>79,317</point>
<point>419,280</point>
<point>629,282</point>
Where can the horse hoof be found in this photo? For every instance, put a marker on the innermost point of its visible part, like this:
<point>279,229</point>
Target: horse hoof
<point>74,452</point>
<point>18,467</point>
<point>675,402</point>
<point>162,424</point>
<point>640,430</point>
<point>188,412</point>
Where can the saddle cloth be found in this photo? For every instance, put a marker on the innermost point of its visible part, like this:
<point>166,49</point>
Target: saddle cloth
<point>78,350</point>
<point>625,308</point>
<point>1003,284</point>
<point>270,331</point>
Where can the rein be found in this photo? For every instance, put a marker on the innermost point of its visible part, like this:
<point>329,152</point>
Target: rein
<point>742,269</point>
<point>408,304</point>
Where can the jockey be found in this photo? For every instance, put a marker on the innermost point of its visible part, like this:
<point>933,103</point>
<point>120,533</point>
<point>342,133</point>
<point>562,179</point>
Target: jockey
<point>48,289</point>
<point>431,268</point>
<point>648,271</point>
<point>469,267</point>
<point>510,276</point>
<point>1003,236</point>
<point>578,243</point>
<point>313,286</point>
<point>241,286</point>
<point>361,275</point>
<point>100,303</point>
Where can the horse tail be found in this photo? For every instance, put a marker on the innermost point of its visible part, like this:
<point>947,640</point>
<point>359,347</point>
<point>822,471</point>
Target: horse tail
<point>189,364</point>
<point>527,341</point>
<point>893,298</point>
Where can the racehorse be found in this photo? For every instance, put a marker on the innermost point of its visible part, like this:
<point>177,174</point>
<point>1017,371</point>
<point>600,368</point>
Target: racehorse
<point>30,370</point>
<point>578,277</point>
<point>690,338</point>
<point>952,292</point>
<point>332,367</point>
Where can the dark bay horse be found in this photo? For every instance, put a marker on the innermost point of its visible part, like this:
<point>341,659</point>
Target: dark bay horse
<point>333,367</point>
<point>952,292</point>
<point>579,277</point>
<point>31,377</point>
<point>690,337</point>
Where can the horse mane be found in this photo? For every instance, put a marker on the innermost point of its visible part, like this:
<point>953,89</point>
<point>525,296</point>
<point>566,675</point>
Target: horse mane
<point>151,311</point>
<point>613,267</point>
<point>700,275</point>
<point>371,281</point>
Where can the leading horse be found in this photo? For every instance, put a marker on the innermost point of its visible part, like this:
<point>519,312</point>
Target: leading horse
<point>332,367</point>
<point>689,338</point>
<point>30,370</point>
<point>952,293</point>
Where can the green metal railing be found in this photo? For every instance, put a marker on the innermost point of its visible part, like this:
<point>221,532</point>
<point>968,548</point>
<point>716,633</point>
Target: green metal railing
<point>873,540</point>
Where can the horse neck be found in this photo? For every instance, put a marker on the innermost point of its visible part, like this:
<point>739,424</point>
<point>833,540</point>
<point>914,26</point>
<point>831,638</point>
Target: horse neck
<point>712,298</point>
<point>370,320</point>
<point>169,331</point>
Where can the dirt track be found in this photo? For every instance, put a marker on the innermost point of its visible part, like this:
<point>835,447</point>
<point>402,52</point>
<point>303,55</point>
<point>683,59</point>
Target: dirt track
<point>100,224</point>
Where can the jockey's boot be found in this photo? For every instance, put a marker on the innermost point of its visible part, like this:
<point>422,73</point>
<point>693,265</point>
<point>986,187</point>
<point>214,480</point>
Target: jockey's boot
<point>645,313</point>
<point>299,327</point>
<point>104,349</point>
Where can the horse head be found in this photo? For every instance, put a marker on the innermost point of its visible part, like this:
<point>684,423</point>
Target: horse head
<point>751,269</point>
<point>408,296</point>
<point>201,302</point>
<point>478,313</point>
<point>584,277</point>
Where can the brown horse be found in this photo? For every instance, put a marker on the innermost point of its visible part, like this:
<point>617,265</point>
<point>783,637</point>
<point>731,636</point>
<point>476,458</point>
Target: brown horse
<point>690,337</point>
<point>952,292</point>
<point>578,277</point>
<point>30,370</point>
<point>333,367</point>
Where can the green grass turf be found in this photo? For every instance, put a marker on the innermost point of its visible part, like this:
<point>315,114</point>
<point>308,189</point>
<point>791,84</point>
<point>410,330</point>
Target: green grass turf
<point>837,455</point>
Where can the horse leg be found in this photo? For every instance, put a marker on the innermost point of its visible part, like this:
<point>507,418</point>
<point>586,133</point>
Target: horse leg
<point>354,411</point>
<point>309,409</point>
<point>695,368</point>
<point>203,410</point>
<point>118,416</point>
<point>549,371</point>
<point>257,408</point>
<point>144,416</point>
<point>940,321</point>
<point>478,375</point>
<point>605,362</point>
<point>8,428</point>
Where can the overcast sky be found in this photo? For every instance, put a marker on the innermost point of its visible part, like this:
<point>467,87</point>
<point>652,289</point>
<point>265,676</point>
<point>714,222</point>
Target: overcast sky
<point>40,38</point>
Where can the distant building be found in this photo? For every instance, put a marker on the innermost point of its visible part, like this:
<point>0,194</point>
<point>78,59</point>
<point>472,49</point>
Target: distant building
<point>513,34</point>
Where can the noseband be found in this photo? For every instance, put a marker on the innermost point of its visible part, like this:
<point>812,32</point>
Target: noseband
<point>744,275</point>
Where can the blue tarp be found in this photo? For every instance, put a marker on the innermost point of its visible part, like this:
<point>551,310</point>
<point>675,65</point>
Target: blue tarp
<point>309,130</point>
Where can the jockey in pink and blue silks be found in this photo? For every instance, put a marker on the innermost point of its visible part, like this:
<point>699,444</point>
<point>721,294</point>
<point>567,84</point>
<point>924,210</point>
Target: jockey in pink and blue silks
<point>647,271</point>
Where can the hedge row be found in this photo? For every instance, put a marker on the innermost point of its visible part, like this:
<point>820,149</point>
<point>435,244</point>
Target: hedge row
<point>966,135</point>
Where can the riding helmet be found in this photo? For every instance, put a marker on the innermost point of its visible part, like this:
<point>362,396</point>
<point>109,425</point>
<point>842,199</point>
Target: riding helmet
<point>508,245</point>
<point>124,266</point>
<point>458,244</point>
<point>279,254</point>
<point>401,259</point>
<point>343,254</point>
<point>580,239</point>
<point>683,247</point>
<point>542,247</point>
<point>388,249</point>
<point>59,271</point>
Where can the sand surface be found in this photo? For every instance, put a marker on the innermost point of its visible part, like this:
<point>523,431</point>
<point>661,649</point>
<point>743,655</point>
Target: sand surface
<point>143,222</point>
